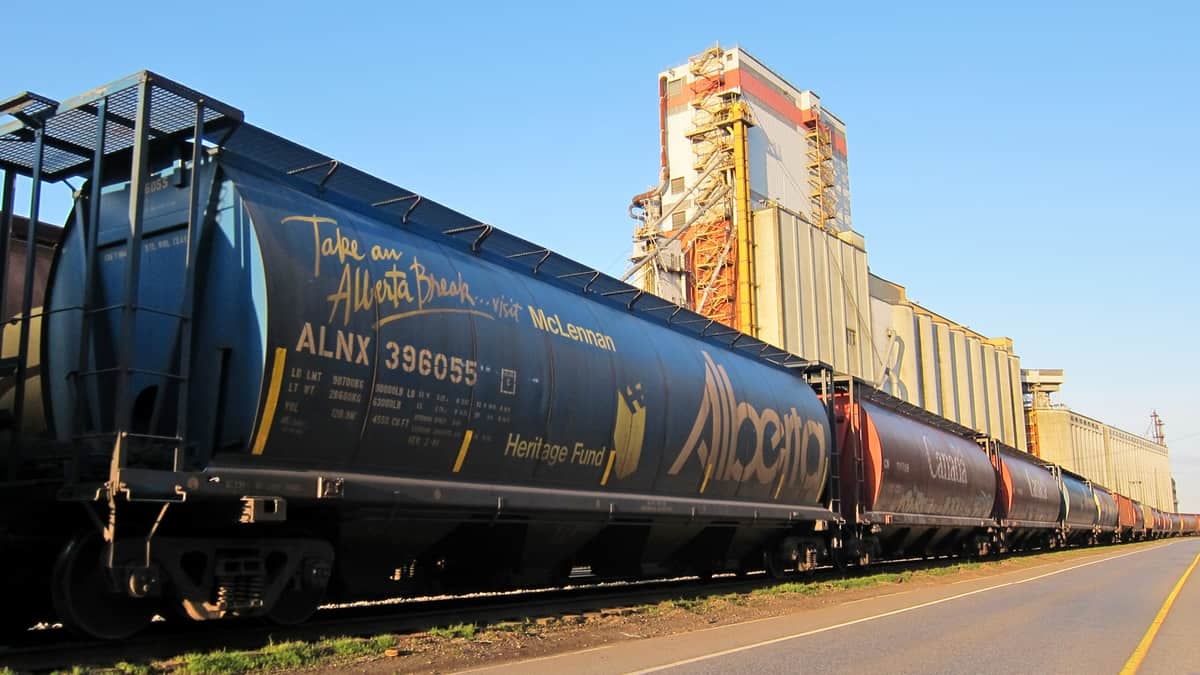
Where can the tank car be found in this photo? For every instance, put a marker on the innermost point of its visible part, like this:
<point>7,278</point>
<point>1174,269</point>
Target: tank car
<point>1108,518</point>
<point>46,238</point>
<point>1028,499</point>
<point>912,488</point>
<point>1081,511</point>
<point>272,380</point>
<point>1139,521</point>
<point>1147,520</point>
<point>1159,528</point>
<point>1126,518</point>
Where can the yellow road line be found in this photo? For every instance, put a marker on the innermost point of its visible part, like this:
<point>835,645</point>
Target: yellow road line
<point>268,418</point>
<point>1143,648</point>
<point>462,451</point>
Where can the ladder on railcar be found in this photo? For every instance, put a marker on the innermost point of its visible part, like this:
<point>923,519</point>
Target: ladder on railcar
<point>30,111</point>
<point>128,434</point>
<point>822,381</point>
<point>85,134</point>
<point>860,440</point>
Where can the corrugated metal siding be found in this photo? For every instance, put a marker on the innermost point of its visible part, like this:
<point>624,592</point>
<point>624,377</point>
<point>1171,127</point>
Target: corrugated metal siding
<point>897,349</point>
<point>1003,391</point>
<point>945,356</point>
<point>975,377</point>
<point>838,290</point>
<point>928,368</point>
<point>990,388</point>
<point>862,308</point>
<point>945,368</point>
<point>771,313</point>
<point>962,378</point>
<point>1087,448</point>
<point>811,292</point>
<point>1054,435</point>
<point>854,272</point>
<point>821,298</point>
<point>1133,466</point>
<point>1141,468</point>
<point>1022,443</point>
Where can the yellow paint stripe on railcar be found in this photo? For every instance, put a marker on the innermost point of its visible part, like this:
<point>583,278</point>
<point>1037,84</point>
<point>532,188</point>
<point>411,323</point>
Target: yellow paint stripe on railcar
<point>268,418</point>
<point>707,475</point>
<point>1143,648</point>
<point>779,488</point>
<point>462,450</point>
<point>612,456</point>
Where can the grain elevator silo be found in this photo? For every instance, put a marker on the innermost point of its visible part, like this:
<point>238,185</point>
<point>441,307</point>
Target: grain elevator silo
<point>750,225</point>
<point>754,201</point>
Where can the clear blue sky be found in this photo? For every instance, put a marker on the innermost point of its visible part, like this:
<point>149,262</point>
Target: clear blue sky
<point>1028,171</point>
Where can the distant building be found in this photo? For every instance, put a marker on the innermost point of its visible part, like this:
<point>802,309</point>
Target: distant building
<point>1134,466</point>
<point>945,367</point>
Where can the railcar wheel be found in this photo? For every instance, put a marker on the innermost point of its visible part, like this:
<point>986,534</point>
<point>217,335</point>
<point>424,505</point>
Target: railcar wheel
<point>81,595</point>
<point>303,594</point>
<point>774,567</point>
<point>560,575</point>
<point>295,606</point>
<point>840,560</point>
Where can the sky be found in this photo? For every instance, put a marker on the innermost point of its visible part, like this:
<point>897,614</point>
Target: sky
<point>1028,171</point>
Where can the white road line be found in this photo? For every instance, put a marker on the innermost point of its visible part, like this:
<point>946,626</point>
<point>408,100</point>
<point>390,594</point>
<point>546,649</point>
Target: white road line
<point>1052,563</point>
<point>875,597</point>
<point>894,612</point>
<point>501,666</point>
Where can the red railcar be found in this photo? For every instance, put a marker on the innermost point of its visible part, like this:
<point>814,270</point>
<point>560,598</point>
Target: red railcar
<point>1126,517</point>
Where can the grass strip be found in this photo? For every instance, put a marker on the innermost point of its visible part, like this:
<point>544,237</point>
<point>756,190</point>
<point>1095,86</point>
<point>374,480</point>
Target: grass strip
<point>811,588</point>
<point>276,656</point>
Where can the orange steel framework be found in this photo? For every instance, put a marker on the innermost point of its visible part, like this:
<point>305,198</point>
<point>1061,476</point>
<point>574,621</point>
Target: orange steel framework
<point>820,170</point>
<point>720,244</point>
<point>1031,431</point>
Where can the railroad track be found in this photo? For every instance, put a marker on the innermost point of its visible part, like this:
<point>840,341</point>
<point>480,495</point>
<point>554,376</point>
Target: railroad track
<point>51,648</point>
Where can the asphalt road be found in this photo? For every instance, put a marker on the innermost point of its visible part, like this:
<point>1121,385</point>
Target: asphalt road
<point>1074,616</point>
